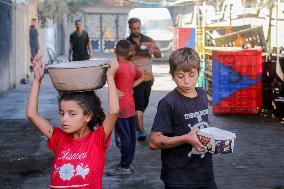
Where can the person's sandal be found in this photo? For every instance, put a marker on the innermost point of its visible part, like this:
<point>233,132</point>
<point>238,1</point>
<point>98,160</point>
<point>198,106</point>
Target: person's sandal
<point>118,171</point>
<point>141,135</point>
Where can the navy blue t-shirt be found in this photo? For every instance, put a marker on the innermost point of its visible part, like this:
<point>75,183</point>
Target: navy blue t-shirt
<point>176,116</point>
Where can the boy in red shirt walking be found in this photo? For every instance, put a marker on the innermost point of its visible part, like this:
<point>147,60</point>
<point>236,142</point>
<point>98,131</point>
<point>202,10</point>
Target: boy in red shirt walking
<point>127,77</point>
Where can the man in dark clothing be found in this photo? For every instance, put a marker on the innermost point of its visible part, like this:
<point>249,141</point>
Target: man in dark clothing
<point>80,46</point>
<point>33,39</point>
<point>143,47</point>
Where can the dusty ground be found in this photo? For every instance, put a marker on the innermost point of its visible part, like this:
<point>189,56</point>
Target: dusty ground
<point>25,162</point>
<point>19,161</point>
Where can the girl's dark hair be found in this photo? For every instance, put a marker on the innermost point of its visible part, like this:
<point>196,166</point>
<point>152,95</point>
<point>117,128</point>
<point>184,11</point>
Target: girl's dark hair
<point>89,102</point>
<point>184,59</point>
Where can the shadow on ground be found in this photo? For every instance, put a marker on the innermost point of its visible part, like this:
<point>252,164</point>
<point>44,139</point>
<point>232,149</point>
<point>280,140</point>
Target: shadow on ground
<point>25,162</point>
<point>19,157</point>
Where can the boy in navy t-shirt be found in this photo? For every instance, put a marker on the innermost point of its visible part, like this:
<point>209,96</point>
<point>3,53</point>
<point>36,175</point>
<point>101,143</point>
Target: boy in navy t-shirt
<point>185,163</point>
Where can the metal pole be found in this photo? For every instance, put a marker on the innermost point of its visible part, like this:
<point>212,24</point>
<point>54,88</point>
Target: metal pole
<point>276,25</point>
<point>101,29</point>
<point>244,9</point>
<point>218,10</point>
<point>231,14</point>
<point>203,27</point>
<point>279,71</point>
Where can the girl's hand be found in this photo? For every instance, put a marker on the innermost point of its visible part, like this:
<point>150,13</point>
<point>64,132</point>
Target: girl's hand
<point>192,138</point>
<point>113,68</point>
<point>38,67</point>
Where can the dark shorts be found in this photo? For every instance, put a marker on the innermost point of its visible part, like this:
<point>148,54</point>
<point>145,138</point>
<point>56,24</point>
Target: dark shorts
<point>141,95</point>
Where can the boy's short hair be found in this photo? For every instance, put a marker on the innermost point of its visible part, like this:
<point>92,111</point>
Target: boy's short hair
<point>184,59</point>
<point>33,19</point>
<point>123,48</point>
<point>133,20</point>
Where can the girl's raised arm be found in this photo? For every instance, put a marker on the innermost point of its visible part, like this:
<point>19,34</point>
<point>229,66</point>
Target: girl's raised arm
<point>113,101</point>
<point>32,107</point>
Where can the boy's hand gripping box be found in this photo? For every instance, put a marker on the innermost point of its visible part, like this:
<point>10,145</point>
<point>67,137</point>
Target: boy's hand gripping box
<point>217,141</point>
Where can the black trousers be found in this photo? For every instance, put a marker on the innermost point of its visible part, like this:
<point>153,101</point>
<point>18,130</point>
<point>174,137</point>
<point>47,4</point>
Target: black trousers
<point>125,139</point>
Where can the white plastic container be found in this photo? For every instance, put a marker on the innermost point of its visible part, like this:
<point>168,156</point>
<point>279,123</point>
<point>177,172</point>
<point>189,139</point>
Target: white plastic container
<point>217,141</point>
<point>78,75</point>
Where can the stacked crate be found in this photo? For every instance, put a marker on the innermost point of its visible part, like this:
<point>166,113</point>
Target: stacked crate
<point>183,37</point>
<point>233,80</point>
<point>186,37</point>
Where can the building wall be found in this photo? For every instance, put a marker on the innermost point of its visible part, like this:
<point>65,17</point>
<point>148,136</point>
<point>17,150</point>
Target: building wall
<point>5,45</point>
<point>14,53</point>
<point>20,42</point>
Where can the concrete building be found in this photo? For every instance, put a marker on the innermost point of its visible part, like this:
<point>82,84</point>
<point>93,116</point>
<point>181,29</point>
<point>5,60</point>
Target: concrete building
<point>14,42</point>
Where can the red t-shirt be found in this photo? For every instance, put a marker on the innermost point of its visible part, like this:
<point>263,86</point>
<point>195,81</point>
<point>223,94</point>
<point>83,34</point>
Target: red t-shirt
<point>78,163</point>
<point>124,79</point>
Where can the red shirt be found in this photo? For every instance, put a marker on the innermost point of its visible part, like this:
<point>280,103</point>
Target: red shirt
<point>124,79</point>
<point>78,163</point>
